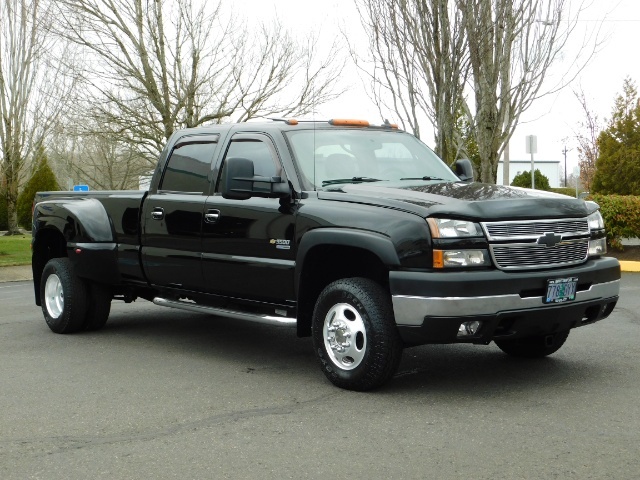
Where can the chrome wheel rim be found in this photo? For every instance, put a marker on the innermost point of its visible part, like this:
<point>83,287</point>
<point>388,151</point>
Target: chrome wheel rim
<point>54,296</point>
<point>345,337</point>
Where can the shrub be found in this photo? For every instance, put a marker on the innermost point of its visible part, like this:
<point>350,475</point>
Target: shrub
<point>524,180</point>
<point>42,180</point>
<point>621,215</point>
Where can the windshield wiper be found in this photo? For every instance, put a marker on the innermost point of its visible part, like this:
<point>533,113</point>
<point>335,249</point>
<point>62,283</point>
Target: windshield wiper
<point>349,180</point>
<point>426,177</point>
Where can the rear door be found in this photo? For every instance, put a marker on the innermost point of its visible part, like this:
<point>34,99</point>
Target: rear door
<point>248,245</point>
<point>172,217</point>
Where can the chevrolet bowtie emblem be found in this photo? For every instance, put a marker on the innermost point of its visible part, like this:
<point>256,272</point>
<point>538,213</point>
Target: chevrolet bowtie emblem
<point>550,239</point>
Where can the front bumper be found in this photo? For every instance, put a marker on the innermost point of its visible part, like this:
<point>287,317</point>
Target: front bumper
<point>430,306</point>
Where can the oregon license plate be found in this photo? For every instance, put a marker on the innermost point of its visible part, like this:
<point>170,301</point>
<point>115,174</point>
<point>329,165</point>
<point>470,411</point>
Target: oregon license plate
<point>561,290</point>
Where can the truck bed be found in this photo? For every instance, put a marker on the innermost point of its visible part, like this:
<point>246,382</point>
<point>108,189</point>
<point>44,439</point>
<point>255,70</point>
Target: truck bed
<point>107,217</point>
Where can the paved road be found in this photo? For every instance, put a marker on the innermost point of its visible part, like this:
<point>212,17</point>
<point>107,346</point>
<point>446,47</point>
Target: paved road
<point>166,394</point>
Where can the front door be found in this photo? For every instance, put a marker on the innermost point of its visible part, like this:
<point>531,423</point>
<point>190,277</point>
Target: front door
<point>248,245</point>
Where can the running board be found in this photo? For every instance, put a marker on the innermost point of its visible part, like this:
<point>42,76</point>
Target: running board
<point>194,307</point>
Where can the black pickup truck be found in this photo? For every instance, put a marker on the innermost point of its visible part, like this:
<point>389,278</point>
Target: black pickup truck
<point>356,235</point>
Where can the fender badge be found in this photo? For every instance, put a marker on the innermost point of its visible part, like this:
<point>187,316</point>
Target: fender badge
<point>281,244</point>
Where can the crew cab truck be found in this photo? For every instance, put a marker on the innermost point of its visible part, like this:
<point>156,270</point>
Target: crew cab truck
<point>356,235</point>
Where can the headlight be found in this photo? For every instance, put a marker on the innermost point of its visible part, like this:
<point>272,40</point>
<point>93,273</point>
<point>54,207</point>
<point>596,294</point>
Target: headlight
<point>452,256</point>
<point>595,221</point>
<point>447,228</point>
<point>597,246</point>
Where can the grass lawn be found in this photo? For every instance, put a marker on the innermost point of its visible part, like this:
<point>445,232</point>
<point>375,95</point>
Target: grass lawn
<point>15,250</point>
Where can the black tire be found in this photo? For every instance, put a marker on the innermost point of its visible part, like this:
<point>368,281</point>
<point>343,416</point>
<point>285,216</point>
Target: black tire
<point>534,347</point>
<point>63,296</point>
<point>361,308</point>
<point>99,307</point>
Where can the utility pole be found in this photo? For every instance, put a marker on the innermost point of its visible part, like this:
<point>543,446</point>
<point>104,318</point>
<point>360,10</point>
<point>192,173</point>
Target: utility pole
<point>564,151</point>
<point>505,165</point>
<point>505,153</point>
<point>532,147</point>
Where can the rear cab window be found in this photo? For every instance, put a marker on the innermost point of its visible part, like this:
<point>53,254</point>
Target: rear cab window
<point>189,166</point>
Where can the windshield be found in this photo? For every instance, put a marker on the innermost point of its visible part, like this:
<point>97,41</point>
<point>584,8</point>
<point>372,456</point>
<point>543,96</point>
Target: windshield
<point>333,156</point>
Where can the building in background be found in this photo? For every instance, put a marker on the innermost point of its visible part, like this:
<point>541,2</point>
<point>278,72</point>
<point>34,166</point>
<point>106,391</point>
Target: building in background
<point>549,168</point>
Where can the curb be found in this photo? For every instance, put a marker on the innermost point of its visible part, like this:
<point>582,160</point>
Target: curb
<point>16,273</point>
<point>629,266</point>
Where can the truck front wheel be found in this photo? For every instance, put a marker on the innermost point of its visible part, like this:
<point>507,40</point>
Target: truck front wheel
<point>534,347</point>
<point>354,334</point>
<point>63,297</point>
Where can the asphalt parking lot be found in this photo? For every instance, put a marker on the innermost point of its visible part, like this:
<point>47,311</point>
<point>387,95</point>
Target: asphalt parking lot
<point>161,393</point>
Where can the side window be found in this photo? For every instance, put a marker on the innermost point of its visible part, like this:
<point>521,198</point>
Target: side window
<point>188,167</point>
<point>263,157</point>
<point>259,152</point>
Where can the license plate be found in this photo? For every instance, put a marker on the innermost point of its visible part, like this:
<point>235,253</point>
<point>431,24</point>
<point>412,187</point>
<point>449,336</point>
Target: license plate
<point>561,290</point>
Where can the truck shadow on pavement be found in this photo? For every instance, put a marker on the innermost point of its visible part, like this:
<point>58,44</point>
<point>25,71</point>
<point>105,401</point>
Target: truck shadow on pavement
<point>253,348</point>
<point>486,371</point>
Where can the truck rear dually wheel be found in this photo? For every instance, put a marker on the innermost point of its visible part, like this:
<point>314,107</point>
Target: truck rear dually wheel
<point>99,307</point>
<point>534,347</point>
<point>354,334</point>
<point>63,296</point>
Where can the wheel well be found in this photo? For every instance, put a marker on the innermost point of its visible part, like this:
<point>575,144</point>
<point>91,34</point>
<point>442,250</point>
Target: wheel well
<point>326,263</point>
<point>48,244</point>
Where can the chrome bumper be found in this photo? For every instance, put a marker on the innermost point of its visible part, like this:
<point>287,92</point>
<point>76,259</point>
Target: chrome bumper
<point>412,310</point>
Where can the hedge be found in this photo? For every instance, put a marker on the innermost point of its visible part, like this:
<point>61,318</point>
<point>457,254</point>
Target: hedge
<point>621,215</point>
<point>564,191</point>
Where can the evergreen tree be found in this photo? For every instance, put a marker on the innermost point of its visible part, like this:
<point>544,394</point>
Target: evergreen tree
<point>618,163</point>
<point>4,223</point>
<point>524,180</point>
<point>469,145</point>
<point>42,180</point>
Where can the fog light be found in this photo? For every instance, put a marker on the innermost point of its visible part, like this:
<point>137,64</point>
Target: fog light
<point>597,247</point>
<point>468,328</point>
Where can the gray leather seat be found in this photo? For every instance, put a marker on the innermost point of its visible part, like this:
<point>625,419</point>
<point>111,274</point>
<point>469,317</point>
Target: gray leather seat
<point>341,165</point>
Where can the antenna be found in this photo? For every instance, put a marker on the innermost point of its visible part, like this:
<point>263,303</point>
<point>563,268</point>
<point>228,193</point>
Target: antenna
<point>313,117</point>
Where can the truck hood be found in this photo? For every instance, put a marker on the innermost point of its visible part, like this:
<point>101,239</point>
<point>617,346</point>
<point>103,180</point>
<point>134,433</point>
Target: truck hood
<point>477,201</point>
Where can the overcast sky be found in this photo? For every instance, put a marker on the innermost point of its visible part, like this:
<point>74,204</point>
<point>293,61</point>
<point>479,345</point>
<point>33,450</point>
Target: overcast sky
<point>553,119</point>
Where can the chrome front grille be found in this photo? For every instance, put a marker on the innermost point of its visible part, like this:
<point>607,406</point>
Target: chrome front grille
<point>515,245</point>
<point>520,255</point>
<point>535,228</point>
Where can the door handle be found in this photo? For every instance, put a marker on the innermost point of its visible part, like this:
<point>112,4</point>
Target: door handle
<point>212,216</point>
<point>157,213</point>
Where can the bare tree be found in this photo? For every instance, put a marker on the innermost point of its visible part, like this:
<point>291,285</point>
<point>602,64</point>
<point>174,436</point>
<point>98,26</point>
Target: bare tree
<point>419,64</point>
<point>106,165</point>
<point>97,160</point>
<point>32,90</point>
<point>156,65</point>
<point>588,148</point>
<point>512,45</point>
<point>424,50</point>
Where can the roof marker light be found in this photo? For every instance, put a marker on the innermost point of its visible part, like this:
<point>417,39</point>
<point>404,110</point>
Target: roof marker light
<point>345,122</point>
<point>288,121</point>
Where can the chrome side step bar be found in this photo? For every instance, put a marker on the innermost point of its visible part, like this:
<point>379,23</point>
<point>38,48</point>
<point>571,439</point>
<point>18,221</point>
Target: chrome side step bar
<point>194,307</point>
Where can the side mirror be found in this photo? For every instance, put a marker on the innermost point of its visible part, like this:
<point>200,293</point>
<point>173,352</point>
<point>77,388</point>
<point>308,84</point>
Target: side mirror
<point>464,170</point>
<point>237,178</point>
<point>240,183</point>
